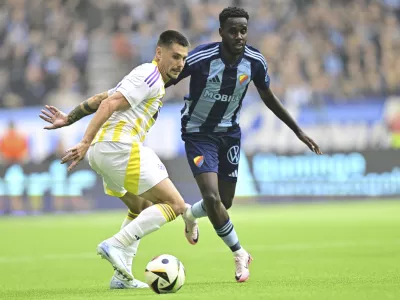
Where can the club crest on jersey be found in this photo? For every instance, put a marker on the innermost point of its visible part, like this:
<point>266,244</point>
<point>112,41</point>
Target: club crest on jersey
<point>198,161</point>
<point>243,78</point>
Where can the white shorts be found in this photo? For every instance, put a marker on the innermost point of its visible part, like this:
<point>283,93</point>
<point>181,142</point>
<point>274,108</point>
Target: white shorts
<point>125,168</point>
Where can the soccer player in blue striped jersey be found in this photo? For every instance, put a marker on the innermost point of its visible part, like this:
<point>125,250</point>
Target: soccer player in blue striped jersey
<point>220,75</point>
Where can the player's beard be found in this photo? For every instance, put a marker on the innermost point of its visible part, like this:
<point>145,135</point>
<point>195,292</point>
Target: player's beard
<point>170,76</point>
<point>231,50</point>
<point>237,51</point>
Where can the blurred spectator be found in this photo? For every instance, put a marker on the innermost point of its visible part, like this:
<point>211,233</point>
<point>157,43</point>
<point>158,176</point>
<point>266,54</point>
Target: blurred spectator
<point>4,84</point>
<point>13,146</point>
<point>392,119</point>
<point>325,49</point>
<point>315,49</point>
<point>37,39</point>
<point>68,92</point>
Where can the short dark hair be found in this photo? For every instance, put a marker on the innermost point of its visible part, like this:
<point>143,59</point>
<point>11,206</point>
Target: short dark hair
<point>232,12</point>
<point>169,37</point>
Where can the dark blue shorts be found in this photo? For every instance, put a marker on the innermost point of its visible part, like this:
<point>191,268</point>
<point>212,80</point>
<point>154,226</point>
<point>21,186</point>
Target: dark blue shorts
<point>216,152</point>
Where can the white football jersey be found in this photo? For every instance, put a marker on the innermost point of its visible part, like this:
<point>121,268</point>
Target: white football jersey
<point>143,88</point>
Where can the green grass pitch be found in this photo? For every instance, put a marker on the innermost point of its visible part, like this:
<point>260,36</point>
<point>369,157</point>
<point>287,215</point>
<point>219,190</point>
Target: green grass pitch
<point>342,250</point>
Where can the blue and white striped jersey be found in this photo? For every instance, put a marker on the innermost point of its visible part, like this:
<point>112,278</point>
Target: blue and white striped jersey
<point>217,89</point>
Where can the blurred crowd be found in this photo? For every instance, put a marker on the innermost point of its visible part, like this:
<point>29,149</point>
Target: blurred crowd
<point>316,49</point>
<point>43,51</point>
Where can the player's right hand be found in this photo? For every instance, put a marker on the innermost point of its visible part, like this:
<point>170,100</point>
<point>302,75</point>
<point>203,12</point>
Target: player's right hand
<point>75,154</point>
<point>309,142</point>
<point>55,117</point>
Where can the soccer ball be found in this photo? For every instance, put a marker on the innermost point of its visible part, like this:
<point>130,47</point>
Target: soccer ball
<point>165,274</point>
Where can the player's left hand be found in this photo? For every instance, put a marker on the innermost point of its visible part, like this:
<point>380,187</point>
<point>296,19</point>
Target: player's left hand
<point>75,154</point>
<point>55,117</point>
<point>309,142</point>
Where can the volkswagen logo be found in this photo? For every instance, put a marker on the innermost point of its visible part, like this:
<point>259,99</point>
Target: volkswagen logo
<point>233,155</point>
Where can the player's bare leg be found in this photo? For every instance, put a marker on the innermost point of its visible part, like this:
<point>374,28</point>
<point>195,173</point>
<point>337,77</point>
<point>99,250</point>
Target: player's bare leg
<point>168,204</point>
<point>227,192</point>
<point>218,215</point>
<point>136,205</point>
<point>208,184</point>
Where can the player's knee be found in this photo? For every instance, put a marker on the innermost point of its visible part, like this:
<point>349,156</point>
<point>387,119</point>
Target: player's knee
<point>212,200</point>
<point>177,205</point>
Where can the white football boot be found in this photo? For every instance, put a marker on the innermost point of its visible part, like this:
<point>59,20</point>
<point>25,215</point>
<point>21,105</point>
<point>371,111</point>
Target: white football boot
<point>242,263</point>
<point>191,227</point>
<point>117,257</point>
<point>118,282</point>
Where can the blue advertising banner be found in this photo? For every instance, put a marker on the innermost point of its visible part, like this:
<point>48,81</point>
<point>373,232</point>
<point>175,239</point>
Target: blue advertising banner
<point>36,188</point>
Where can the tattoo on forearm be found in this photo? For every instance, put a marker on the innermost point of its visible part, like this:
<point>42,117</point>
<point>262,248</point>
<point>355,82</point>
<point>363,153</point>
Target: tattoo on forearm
<point>84,109</point>
<point>76,114</point>
<point>88,108</point>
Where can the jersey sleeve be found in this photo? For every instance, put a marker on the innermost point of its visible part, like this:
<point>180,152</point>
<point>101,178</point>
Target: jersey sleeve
<point>261,77</point>
<point>133,87</point>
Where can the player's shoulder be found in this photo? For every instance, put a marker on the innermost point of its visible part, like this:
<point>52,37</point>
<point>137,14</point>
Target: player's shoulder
<point>204,47</point>
<point>145,73</point>
<point>255,56</point>
<point>249,48</point>
<point>203,52</point>
<point>144,70</point>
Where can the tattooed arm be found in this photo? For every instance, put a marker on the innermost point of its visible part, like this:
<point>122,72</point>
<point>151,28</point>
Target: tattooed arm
<point>86,108</point>
<point>58,119</point>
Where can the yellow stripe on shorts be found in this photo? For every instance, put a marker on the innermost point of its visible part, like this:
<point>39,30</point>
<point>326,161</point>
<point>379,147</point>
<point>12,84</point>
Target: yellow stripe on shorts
<point>132,174</point>
<point>113,193</point>
<point>118,130</point>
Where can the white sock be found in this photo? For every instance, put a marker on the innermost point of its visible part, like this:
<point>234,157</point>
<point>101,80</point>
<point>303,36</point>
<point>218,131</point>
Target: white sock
<point>131,216</point>
<point>133,248</point>
<point>198,210</point>
<point>149,220</point>
<point>188,213</point>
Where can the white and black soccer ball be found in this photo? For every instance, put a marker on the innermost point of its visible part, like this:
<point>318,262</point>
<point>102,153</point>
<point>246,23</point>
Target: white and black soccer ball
<point>165,274</point>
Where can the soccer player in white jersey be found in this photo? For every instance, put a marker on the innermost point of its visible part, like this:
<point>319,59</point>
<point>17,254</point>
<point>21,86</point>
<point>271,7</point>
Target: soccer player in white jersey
<point>130,171</point>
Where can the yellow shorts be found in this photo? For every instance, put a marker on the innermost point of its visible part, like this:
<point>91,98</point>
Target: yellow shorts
<point>126,167</point>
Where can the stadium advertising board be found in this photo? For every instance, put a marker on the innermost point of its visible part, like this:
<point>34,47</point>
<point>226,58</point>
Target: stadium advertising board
<point>48,186</point>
